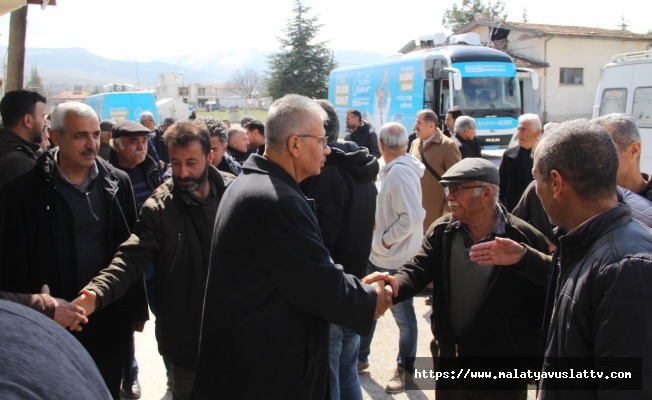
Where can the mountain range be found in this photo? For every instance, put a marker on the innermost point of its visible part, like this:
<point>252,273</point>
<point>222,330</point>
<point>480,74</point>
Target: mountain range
<point>61,68</point>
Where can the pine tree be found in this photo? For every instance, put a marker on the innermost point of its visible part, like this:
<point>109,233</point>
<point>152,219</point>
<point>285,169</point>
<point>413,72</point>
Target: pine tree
<point>455,18</point>
<point>35,83</point>
<point>301,66</point>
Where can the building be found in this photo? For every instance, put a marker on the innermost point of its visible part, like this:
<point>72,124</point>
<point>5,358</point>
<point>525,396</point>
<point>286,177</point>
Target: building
<point>172,85</point>
<point>568,59</point>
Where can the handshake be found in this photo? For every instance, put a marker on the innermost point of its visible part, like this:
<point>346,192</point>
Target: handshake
<point>386,287</point>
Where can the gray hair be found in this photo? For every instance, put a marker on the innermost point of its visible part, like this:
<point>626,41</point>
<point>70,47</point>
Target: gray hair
<point>495,191</point>
<point>393,135</point>
<point>463,122</point>
<point>232,132</point>
<point>216,128</point>
<point>116,143</point>
<point>550,126</point>
<point>584,154</point>
<point>332,125</point>
<point>533,119</point>
<point>58,117</point>
<point>288,116</point>
<point>622,127</point>
<point>146,114</point>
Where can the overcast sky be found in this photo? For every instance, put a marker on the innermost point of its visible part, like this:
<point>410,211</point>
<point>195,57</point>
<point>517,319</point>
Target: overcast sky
<point>149,29</point>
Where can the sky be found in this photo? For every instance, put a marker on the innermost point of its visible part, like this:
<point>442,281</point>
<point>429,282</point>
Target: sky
<point>144,30</point>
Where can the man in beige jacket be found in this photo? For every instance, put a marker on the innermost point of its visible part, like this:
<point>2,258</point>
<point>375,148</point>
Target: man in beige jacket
<point>438,153</point>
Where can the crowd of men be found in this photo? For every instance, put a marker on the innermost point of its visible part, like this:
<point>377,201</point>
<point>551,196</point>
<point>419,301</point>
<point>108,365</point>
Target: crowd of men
<point>544,262</point>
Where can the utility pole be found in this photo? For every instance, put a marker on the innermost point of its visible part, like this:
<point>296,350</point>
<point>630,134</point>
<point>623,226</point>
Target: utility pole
<point>16,51</point>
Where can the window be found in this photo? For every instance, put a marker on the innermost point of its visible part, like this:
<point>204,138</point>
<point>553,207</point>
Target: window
<point>571,76</point>
<point>201,91</point>
<point>183,91</point>
<point>642,107</point>
<point>613,101</point>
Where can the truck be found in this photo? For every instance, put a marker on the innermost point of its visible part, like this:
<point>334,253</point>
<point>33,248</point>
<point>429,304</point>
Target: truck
<point>118,106</point>
<point>482,81</point>
<point>626,87</point>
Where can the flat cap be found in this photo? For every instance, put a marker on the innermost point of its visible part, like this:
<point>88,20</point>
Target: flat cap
<point>472,169</point>
<point>129,128</point>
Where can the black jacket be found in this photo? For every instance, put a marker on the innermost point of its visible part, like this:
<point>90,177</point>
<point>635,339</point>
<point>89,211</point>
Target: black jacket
<point>168,237</point>
<point>345,197</point>
<point>149,166</point>
<point>603,303</point>
<point>16,155</point>
<point>37,246</point>
<point>508,323</point>
<point>237,154</point>
<point>160,146</point>
<point>271,292</point>
<point>469,148</point>
<point>513,178</point>
<point>364,136</point>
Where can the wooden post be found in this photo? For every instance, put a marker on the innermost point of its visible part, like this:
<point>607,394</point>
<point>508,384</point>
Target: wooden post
<point>16,51</point>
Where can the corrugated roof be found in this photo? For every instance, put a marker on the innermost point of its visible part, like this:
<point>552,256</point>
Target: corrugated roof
<point>559,30</point>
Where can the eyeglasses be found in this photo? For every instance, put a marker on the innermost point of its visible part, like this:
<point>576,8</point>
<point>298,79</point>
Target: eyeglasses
<point>455,189</point>
<point>324,139</point>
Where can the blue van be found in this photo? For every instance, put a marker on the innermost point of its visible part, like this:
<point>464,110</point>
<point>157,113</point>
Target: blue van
<point>118,106</point>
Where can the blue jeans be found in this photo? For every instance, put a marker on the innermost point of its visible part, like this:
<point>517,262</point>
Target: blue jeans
<point>406,320</point>
<point>343,364</point>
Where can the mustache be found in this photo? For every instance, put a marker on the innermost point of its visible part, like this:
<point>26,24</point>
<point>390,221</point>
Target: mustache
<point>453,203</point>
<point>88,152</point>
<point>139,153</point>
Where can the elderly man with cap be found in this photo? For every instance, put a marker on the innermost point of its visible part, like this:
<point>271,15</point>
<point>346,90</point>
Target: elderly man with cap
<point>129,153</point>
<point>480,313</point>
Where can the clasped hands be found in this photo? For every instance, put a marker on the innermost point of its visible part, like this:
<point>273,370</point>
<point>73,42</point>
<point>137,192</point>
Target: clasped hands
<point>386,287</point>
<point>67,315</point>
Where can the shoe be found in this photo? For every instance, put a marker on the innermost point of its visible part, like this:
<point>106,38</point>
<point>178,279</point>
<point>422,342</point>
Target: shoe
<point>362,366</point>
<point>130,391</point>
<point>400,380</point>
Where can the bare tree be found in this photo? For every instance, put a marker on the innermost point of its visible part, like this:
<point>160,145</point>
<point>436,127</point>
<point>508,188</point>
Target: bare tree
<point>246,82</point>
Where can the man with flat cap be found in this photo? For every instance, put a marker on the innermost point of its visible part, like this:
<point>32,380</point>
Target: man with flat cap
<point>129,153</point>
<point>478,311</point>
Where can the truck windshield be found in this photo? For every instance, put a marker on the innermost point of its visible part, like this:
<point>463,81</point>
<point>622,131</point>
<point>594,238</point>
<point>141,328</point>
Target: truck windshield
<point>482,96</point>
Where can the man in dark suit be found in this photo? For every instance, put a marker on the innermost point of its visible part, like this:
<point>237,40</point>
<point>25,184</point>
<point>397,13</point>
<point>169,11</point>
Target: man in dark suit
<point>270,297</point>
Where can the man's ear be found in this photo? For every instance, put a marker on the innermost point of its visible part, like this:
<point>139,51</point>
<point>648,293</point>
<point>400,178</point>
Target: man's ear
<point>55,137</point>
<point>27,120</point>
<point>634,150</point>
<point>293,145</point>
<point>557,184</point>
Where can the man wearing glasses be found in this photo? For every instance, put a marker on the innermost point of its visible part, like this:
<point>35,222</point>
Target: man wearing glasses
<point>272,288</point>
<point>490,313</point>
